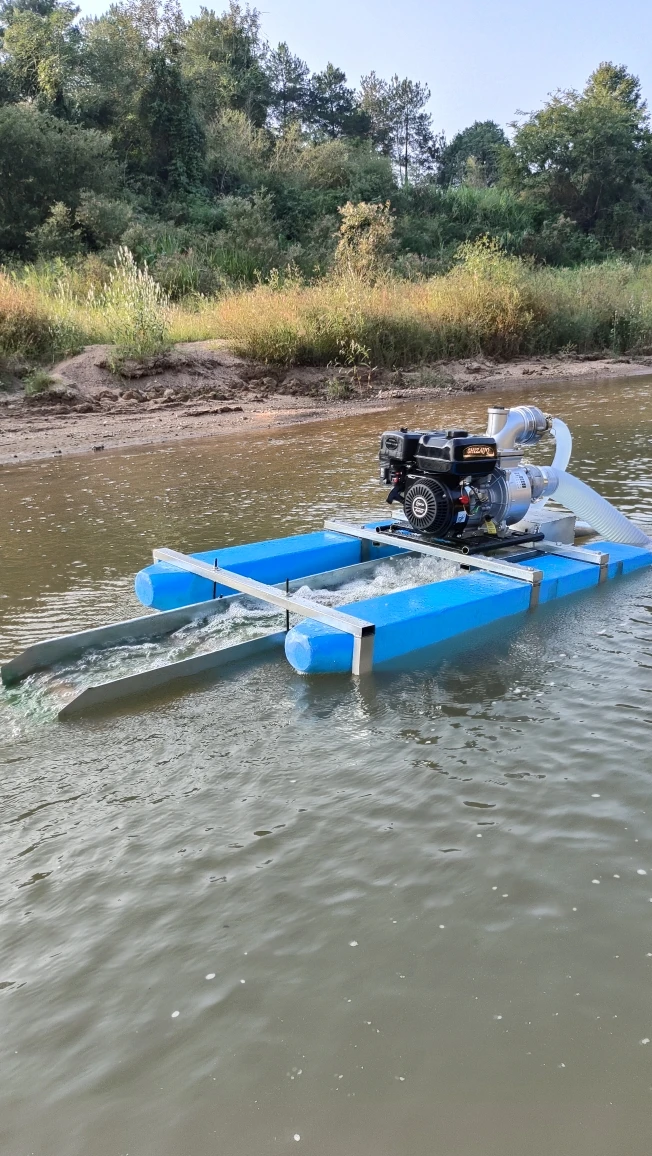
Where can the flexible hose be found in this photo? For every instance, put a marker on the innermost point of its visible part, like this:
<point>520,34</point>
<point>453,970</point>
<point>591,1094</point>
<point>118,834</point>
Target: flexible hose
<point>596,510</point>
<point>563,447</point>
<point>563,444</point>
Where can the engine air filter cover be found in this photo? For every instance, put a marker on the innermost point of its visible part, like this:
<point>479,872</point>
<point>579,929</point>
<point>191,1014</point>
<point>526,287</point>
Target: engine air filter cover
<point>400,445</point>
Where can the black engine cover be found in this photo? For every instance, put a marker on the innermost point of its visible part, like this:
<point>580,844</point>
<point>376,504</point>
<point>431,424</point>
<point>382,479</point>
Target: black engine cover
<point>400,445</point>
<point>454,452</point>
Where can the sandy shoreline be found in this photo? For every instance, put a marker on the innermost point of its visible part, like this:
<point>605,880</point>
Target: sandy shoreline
<point>219,394</point>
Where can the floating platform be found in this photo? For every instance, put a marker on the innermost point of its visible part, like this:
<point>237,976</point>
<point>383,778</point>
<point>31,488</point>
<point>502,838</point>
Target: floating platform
<point>164,586</point>
<point>357,637</point>
<point>411,620</point>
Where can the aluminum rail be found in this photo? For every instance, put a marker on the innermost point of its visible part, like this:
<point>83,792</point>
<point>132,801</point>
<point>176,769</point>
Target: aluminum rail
<point>103,693</point>
<point>472,561</point>
<point>362,631</point>
<point>580,553</point>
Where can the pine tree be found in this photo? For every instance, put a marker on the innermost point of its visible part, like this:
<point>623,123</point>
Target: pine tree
<point>331,107</point>
<point>288,77</point>
<point>400,126</point>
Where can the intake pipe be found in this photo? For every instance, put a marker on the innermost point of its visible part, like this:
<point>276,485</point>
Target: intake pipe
<point>563,447</point>
<point>582,501</point>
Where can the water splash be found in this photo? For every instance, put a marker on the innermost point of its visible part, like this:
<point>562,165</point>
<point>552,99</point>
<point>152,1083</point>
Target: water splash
<point>44,693</point>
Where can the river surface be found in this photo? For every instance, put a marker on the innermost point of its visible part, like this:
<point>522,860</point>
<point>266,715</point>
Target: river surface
<point>404,916</point>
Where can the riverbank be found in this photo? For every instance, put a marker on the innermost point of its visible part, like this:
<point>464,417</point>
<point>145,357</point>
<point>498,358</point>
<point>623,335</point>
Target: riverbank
<point>202,390</point>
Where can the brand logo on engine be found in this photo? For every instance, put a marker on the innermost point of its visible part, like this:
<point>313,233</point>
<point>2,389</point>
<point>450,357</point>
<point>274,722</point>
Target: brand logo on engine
<point>478,452</point>
<point>419,507</point>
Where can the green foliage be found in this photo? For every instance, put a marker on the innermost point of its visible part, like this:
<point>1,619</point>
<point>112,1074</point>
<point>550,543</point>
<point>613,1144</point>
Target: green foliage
<point>338,388</point>
<point>250,242</point>
<point>399,125</point>
<point>115,66</point>
<point>44,160</point>
<point>223,61</point>
<point>236,153</point>
<point>589,156</point>
<point>288,77</point>
<point>57,237</point>
<point>101,220</point>
<point>473,156</point>
<point>31,328</point>
<point>330,106</point>
<point>38,382</point>
<point>41,51</point>
<point>432,222</point>
<point>190,273</point>
<point>216,159</point>
<point>173,138</point>
<point>365,238</point>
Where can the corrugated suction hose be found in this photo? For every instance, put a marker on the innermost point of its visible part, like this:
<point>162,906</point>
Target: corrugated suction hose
<point>596,510</point>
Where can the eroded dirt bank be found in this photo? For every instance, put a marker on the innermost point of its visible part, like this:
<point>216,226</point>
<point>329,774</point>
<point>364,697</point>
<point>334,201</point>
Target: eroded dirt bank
<point>202,390</point>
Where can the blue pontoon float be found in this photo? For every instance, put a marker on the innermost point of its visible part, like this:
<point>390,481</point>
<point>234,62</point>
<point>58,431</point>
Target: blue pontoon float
<point>467,499</point>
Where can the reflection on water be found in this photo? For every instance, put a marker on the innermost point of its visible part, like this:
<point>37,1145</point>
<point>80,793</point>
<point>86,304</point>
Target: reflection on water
<point>407,915</point>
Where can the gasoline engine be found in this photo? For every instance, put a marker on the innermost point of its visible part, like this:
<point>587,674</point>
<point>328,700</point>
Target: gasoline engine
<point>453,485</point>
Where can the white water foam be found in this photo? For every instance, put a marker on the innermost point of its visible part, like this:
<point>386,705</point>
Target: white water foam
<point>242,620</point>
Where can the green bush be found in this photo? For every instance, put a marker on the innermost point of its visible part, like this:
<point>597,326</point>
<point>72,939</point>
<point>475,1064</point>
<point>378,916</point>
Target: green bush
<point>187,274</point>
<point>101,220</point>
<point>38,382</point>
<point>57,236</point>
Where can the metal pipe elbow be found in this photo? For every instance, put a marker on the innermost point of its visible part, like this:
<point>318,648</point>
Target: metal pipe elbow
<point>524,424</point>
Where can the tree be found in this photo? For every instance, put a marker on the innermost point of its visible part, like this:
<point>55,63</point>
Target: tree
<point>45,160</point>
<point>482,144</point>
<point>331,107</point>
<point>159,22</point>
<point>134,87</point>
<point>288,76</point>
<point>237,153</point>
<point>40,51</point>
<point>115,63</point>
<point>174,148</point>
<point>613,80</point>
<point>589,155</point>
<point>224,62</point>
<point>400,126</point>
<point>374,101</point>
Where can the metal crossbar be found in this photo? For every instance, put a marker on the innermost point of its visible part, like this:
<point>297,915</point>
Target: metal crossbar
<point>581,554</point>
<point>362,631</point>
<point>473,561</point>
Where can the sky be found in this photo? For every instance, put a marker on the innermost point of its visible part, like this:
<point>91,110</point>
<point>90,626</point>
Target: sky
<point>482,59</point>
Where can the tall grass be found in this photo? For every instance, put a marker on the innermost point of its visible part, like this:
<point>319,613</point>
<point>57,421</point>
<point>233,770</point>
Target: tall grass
<point>135,307</point>
<point>52,310</point>
<point>488,304</point>
<point>31,331</point>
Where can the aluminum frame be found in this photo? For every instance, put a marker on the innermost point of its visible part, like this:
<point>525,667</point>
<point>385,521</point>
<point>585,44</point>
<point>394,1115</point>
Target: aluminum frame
<point>471,561</point>
<point>363,632</point>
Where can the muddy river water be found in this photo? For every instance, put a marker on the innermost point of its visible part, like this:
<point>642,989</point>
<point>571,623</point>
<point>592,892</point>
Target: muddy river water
<point>406,916</point>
